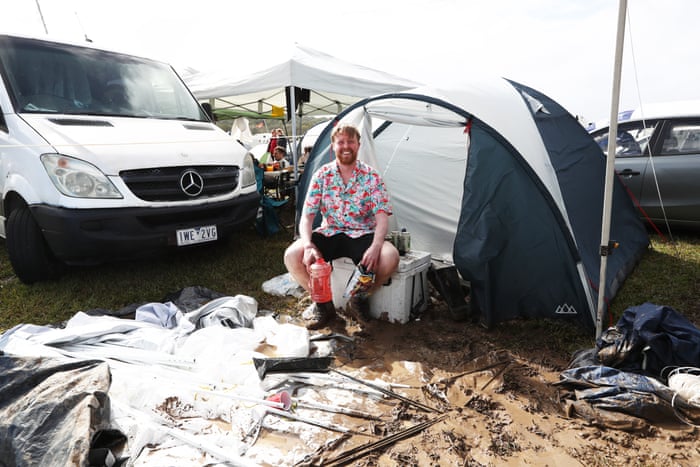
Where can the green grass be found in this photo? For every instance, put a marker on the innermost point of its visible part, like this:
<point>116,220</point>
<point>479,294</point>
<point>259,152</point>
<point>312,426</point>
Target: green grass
<point>668,274</point>
<point>235,266</point>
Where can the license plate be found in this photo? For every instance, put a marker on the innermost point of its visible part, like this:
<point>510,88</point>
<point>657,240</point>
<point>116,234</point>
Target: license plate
<point>206,233</point>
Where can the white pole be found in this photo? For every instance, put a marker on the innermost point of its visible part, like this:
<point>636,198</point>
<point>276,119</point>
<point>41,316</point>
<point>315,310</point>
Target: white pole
<point>292,100</point>
<point>610,167</point>
<point>293,110</point>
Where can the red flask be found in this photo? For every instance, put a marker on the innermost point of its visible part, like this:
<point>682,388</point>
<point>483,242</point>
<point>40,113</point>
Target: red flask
<point>321,281</point>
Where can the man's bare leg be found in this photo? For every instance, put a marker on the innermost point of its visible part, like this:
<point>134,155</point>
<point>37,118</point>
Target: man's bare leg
<point>293,257</point>
<point>388,263</point>
<point>319,314</point>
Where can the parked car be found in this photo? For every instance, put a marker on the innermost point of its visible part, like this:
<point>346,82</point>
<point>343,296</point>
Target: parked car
<point>658,159</point>
<point>105,155</point>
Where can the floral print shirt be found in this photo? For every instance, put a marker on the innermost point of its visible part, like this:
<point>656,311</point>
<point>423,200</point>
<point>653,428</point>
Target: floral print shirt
<point>351,208</point>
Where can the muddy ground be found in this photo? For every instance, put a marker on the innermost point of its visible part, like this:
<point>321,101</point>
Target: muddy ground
<point>493,397</point>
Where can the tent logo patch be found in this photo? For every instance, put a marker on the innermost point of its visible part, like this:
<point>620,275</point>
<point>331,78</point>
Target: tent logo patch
<point>565,309</point>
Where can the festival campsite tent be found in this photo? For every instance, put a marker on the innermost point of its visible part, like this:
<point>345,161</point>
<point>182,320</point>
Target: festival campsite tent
<point>323,85</point>
<point>499,179</point>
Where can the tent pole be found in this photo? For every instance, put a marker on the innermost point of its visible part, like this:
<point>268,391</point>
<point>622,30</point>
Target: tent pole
<point>293,105</point>
<point>292,101</point>
<point>605,248</point>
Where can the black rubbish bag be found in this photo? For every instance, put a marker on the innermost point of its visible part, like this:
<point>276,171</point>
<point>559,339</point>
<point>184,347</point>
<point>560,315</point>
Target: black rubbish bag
<point>290,364</point>
<point>650,338</point>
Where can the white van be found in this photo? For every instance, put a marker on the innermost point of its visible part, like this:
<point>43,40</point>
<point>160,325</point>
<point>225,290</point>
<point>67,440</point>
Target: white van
<point>105,155</point>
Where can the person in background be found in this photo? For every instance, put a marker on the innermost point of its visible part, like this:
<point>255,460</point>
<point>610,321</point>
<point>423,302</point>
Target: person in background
<point>304,157</point>
<point>277,138</point>
<point>280,156</point>
<point>354,205</point>
<point>282,141</point>
<point>272,144</point>
<point>268,155</point>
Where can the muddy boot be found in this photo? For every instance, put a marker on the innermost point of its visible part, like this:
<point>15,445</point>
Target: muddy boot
<point>319,315</point>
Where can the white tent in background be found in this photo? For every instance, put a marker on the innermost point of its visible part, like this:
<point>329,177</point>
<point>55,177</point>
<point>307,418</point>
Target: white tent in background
<point>324,85</point>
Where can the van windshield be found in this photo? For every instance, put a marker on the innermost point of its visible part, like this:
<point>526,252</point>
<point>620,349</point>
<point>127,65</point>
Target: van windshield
<point>48,77</point>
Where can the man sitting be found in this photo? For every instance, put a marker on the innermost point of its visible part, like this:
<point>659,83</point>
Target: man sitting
<point>354,204</point>
<point>280,156</point>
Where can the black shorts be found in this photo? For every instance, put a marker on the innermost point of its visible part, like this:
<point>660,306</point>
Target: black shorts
<point>340,245</point>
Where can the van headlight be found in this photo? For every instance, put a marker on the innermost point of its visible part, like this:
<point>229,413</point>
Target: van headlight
<point>248,172</point>
<point>77,178</point>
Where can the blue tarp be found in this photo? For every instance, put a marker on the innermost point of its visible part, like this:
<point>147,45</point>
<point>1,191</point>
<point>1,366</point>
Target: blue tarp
<point>657,339</point>
<point>619,391</point>
<point>627,371</point>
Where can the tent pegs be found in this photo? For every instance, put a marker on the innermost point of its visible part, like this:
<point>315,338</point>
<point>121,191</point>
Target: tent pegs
<point>356,453</point>
<point>424,407</point>
<point>339,410</point>
<point>327,426</point>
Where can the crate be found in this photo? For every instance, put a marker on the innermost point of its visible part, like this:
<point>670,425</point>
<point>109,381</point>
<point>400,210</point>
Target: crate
<point>452,289</point>
<point>399,301</point>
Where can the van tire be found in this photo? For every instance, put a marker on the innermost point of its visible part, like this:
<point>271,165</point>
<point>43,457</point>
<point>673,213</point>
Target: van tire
<point>29,254</point>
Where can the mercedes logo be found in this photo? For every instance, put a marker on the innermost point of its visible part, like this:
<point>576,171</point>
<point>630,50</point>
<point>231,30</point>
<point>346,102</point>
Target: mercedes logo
<point>191,182</point>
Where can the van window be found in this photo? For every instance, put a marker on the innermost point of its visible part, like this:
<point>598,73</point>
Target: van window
<point>46,77</point>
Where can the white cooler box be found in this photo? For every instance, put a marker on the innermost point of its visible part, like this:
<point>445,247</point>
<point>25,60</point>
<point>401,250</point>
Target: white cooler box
<point>406,295</point>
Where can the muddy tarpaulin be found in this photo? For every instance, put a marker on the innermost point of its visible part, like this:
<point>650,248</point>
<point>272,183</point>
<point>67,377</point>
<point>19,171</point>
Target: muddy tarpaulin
<point>610,389</point>
<point>50,409</point>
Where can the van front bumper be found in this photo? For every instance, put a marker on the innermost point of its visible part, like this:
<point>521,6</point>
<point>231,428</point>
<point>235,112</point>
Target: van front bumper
<point>84,236</point>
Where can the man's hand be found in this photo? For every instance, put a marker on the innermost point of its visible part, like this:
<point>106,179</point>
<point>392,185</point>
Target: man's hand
<point>370,259</point>
<point>311,255</point>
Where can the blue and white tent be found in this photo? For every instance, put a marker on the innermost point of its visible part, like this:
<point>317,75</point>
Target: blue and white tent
<point>501,180</point>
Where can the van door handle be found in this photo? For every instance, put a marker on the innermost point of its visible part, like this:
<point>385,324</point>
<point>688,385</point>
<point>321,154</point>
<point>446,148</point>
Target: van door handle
<point>628,173</point>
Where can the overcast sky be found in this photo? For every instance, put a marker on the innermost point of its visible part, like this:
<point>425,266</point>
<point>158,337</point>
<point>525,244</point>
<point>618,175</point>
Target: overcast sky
<point>563,48</point>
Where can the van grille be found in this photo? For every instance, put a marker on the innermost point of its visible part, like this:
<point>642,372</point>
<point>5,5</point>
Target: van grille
<point>166,183</point>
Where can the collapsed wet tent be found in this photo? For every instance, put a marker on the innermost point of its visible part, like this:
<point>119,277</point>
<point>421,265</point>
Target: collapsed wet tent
<point>501,180</point>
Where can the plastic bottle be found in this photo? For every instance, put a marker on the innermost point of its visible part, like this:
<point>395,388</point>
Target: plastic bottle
<point>321,282</point>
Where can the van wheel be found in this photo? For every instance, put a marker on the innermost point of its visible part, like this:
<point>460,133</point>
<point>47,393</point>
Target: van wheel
<point>29,254</point>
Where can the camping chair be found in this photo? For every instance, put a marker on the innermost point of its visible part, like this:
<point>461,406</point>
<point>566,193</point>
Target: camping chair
<point>267,221</point>
<point>285,186</point>
<point>278,184</point>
